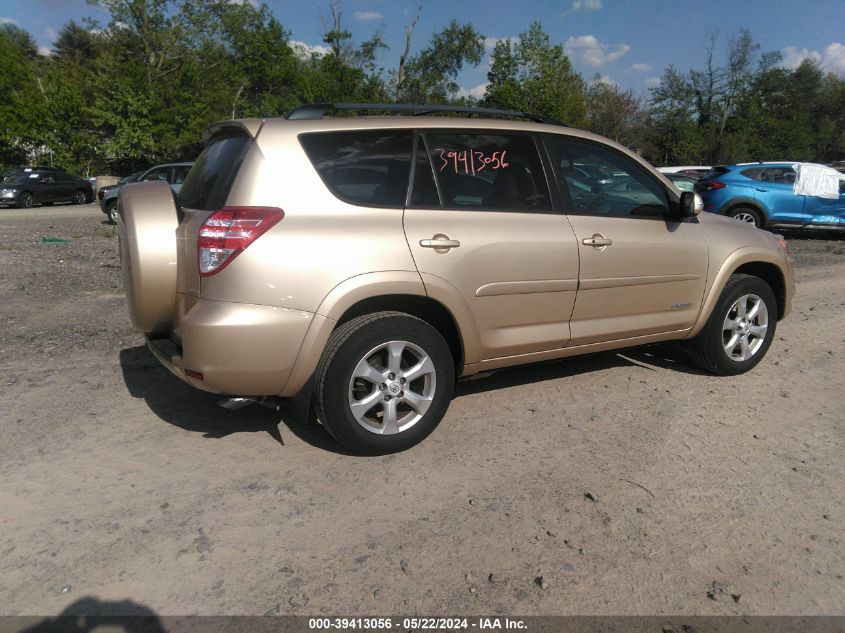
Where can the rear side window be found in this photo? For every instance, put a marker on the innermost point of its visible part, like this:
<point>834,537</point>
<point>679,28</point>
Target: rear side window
<point>368,168</point>
<point>489,170</point>
<point>210,179</point>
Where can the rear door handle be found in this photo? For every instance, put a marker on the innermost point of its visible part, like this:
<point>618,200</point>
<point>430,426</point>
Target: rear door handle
<point>440,241</point>
<point>597,240</point>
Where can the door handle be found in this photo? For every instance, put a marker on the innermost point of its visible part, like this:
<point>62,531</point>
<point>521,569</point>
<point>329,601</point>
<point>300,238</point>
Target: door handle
<point>759,189</point>
<point>597,240</point>
<point>440,242</point>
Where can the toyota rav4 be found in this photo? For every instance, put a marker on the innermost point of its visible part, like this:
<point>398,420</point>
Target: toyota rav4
<point>370,262</point>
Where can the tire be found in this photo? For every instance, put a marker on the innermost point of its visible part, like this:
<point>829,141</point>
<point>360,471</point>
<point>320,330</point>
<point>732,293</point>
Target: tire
<point>25,200</point>
<point>111,211</point>
<point>80,197</point>
<point>710,348</point>
<point>747,215</point>
<point>146,230</point>
<point>364,345</point>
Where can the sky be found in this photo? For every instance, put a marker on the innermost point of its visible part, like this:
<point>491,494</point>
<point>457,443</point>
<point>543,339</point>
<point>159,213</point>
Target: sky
<point>627,42</point>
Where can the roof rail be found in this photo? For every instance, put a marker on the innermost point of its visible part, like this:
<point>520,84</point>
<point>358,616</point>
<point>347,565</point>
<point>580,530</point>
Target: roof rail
<point>319,110</point>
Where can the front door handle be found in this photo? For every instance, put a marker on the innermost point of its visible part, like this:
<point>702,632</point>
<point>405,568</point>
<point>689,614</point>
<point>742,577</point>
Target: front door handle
<point>440,243</point>
<point>597,240</point>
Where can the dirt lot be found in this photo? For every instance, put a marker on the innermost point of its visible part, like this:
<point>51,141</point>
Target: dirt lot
<point>119,483</point>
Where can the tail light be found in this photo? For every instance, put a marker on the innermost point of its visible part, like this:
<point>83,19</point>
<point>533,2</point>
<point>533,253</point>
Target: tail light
<point>710,185</point>
<point>226,233</point>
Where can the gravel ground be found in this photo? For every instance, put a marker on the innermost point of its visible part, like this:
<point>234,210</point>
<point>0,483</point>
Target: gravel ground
<point>622,483</point>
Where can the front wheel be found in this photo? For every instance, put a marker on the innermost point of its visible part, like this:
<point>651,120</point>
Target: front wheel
<point>384,382</point>
<point>25,200</point>
<point>740,328</point>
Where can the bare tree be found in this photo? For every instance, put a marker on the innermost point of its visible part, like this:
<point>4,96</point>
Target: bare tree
<point>403,59</point>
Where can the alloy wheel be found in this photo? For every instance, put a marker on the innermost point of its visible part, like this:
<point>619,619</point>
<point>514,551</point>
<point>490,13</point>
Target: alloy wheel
<point>392,387</point>
<point>745,327</point>
<point>744,216</point>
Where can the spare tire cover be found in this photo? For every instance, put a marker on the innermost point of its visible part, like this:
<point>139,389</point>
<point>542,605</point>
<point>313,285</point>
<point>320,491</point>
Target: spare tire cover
<point>147,224</point>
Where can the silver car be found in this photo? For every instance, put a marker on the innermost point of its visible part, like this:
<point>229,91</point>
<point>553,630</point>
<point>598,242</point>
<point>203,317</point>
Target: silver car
<point>174,173</point>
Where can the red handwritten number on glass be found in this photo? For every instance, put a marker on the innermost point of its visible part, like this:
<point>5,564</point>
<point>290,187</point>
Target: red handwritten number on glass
<point>468,161</point>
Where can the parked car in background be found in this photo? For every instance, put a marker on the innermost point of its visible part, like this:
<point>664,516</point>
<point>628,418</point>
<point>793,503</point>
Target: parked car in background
<point>27,186</point>
<point>102,191</point>
<point>683,181</point>
<point>370,262</point>
<point>173,173</point>
<point>688,170</point>
<point>763,194</point>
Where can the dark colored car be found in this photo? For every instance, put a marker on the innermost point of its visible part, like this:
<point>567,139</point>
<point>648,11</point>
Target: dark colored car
<point>26,186</point>
<point>102,191</point>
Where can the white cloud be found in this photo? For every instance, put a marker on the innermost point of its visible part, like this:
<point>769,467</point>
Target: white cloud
<point>476,92</point>
<point>45,51</point>
<point>792,56</point>
<point>11,21</point>
<point>831,60</point>
<point>367,16</point>
<point>589,50</point>
<point>582,6</point>
<point>305,51</point>
<point>834,59</point>
<point>254,3</point>
<point>51,33</point>
<point>652,82</point>
<point>639,68</point>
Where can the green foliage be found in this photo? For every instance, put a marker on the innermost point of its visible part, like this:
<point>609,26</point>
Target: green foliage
<point>139,89</point>
<point>430,76</point>
<point>532,75</point>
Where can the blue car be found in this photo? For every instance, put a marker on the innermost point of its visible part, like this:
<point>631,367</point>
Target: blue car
<point>762,194</point>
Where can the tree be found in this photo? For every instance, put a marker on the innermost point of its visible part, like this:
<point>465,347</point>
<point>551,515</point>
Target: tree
<point>616,114</point>
<point>674,135</point>
<point>430,75</point>
<point>532,75</point>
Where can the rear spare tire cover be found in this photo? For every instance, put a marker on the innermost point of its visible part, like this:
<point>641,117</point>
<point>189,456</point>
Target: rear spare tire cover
<point>147,224</point>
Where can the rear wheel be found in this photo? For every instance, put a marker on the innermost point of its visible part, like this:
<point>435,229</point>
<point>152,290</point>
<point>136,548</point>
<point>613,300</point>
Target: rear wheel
<point>740,328</point>
<point>25,200</point>
<point>747,215</point>
<point>80,197</point>
<point>384,382</point>
<point>111,211</point>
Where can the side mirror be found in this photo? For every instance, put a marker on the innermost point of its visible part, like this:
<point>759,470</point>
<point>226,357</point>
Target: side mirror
<point>691,204</point>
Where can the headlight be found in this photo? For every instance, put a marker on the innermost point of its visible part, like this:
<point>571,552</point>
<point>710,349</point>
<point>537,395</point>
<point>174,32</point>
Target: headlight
<point>6,191</point>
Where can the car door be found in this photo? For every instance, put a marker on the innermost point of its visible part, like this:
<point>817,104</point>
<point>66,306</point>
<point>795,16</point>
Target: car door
<point>641,273</point>
<point>818,210</point>
<point>479,222</point>
<point>773,187</point>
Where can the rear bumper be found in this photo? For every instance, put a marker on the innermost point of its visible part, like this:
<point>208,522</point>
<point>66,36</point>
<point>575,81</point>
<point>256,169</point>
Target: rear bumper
<point>237,348</point>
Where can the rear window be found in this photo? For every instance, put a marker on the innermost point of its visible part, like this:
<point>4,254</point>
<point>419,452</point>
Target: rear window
<point>367,168</point>
<point>715,173</point>
<point>209,181</point>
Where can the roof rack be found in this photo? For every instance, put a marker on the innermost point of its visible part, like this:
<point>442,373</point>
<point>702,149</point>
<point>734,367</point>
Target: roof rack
<point>319,110</point>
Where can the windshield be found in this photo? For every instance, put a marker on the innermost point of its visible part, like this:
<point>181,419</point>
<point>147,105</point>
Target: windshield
<point>17,176</point>
<point>132,178</point>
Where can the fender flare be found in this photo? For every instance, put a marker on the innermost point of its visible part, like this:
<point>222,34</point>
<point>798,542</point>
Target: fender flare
<point>339,299</point>
<point>744,255</point>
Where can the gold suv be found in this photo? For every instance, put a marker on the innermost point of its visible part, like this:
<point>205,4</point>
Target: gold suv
<point>371,261</point>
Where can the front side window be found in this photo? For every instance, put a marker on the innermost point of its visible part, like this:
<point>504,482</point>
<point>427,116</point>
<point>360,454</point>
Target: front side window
<point>160,173</point>
<point>368,168</point>
<point>490,171</point>
<point>601,181</point>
